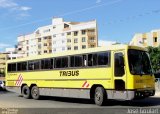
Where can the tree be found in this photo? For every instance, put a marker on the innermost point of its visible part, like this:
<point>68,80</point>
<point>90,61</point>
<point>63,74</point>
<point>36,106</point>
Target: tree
<point>154,53</point>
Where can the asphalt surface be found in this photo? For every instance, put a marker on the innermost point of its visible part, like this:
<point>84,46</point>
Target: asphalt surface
<point>10,101</point>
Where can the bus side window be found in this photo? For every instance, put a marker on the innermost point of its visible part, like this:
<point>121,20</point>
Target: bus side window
<point>30,65</point>
<point>57,62</point>
<point>84,60</point>
<point>92,59</point>
<point>76,61</point>
<point>9,67</point>
<point>22,66</point>
<point>34,65</point>
<point>103,58</point>
<point>12,67</point>
<point>61,62</point>
<point>47,64</point>
<point>64,62</point>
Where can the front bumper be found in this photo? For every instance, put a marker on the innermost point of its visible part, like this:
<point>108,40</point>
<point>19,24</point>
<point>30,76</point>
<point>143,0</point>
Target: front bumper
<point>144,93</point>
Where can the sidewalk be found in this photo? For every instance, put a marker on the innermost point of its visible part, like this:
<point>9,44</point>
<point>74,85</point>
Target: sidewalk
<point>157,94</point>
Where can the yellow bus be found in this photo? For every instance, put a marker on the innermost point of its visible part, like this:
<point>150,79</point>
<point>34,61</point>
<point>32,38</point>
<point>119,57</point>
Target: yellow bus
<point>119,72</point>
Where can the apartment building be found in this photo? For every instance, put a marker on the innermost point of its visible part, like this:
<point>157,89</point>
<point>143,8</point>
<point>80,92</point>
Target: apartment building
<point>59,36</point>
<point>3,59</point>
<point>151,38</point>
<point>12,53</point>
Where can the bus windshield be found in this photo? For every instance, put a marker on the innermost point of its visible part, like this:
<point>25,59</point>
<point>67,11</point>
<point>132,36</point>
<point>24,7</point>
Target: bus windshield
<point>139,62</point>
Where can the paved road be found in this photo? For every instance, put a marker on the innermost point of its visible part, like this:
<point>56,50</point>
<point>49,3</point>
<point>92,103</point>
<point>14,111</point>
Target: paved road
<point>13,100</point>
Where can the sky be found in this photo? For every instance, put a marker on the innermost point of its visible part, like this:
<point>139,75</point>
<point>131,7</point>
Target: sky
<point>118,20</point>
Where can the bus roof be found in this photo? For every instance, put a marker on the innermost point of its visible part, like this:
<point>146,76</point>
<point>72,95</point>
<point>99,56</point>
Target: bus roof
<point>76,52</point>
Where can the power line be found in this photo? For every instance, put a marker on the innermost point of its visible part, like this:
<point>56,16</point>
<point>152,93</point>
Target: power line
<point>65,14</point>
<point>135,16</point>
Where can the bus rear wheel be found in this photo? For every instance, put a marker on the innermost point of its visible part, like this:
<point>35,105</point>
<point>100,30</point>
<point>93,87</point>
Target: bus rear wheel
<point>26,92</point>
<point>35,92</point>
<point>100,96</point>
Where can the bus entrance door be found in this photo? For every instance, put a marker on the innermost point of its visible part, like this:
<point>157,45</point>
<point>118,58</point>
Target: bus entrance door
<point>119,76</point>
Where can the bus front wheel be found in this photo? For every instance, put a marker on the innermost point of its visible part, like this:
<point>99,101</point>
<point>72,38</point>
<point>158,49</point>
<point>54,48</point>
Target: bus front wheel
<point>100,96</point>
<point>35,92</point>
<point>26,92</point>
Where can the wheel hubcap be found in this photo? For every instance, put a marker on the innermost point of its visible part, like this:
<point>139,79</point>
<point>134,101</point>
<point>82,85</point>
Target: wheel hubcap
<point>98,96</point>
<point>35,92</point>
<point>25,91</point>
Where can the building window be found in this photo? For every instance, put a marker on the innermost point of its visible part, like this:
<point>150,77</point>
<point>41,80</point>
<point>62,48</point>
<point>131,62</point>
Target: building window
<point>45,51</point>
<point>76,40</point>
<point>68,40</point>
<point>54,42</point>
<point>83,46</point>
<point>45,44</point>
<point>75,33</point>
<point>49,37</point>
<point>144,40</point>
<point>39,52</point>
<point>75,47</point>
<point>45,38</point>
<point>66,26</point>
<point>83,39</point>
<point>92,46</point>
<point>54,49</point>
<point>27,42</point>
<point>155,39</point>
<point>50,51</point>
<point>19,49</point>
<point>27,47</point>
<point>92,31</point>
<point>62,34</point>
<point>50,44</point>
<point>54,27</point>
<point>39,39</point>
<point>63,48</point>
<point>68,33</point>
<point>63,41</point>
<point>83,32</point>
<point>92,39</point>
<point>39,46</point>
<point>54,36</point>
<point>69,48</point>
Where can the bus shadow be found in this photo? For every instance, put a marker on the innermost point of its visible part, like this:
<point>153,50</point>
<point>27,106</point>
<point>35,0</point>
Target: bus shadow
<point>68,100</point>
<point>152,101</point>
<point>3,90</point>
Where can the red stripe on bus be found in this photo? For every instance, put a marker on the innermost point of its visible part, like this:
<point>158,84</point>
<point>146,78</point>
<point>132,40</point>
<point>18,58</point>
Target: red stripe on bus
<point>87,85</point>
<point>84,84</point>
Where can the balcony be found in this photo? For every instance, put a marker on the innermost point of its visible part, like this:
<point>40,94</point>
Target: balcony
<point>37,35</point>
<point>91,33</point>
<point>66,29</point>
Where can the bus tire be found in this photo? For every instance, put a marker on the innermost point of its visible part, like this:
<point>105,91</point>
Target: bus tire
<point>35,93</point>
<point>26,92</point>
<point>100,96</point>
